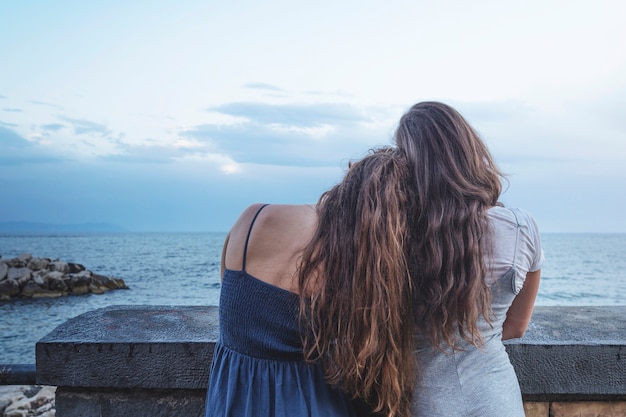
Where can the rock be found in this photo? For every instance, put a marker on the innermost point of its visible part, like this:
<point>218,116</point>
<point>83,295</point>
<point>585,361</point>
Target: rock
<point>39,277</point>
<point>83,274</point>
<point>43,397</point>
<point>96,289</point>
<point>25,257</point>
<point>26,276</point>
<point>27,401</point>
<point>56,283</point>
<point>4,268</point>
<point>37,264</point>
<point>17,408</point>
<point>79,289</point>
<point>18,273</point>
<point>48,294</point>
<point>79,284</point>
<point>31,288</point>
<point>8,394</point>
<point>79,279</point>
<point>106,281</point>
<point>74,268</point>
<point>15,263</point>
<point>23,280</point>
<point>44,410</point>
<point>54,275</point>
<point>59,266</point>
<point>9,288</point>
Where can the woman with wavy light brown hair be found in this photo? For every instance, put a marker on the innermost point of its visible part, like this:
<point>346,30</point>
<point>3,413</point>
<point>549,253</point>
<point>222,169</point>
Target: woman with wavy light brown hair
<point>355,278</point>
<point>316,305</point>
<point>477,269</point>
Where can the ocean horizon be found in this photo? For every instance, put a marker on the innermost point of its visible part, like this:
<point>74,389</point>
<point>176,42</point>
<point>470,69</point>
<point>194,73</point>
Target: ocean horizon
<point>183,269</point>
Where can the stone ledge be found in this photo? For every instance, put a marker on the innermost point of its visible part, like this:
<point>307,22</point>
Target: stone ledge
<point>157,347</point>
<point>572,353</point>
<point>568,353</point>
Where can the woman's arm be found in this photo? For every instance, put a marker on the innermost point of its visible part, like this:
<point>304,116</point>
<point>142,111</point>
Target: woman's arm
<point>521,310</point>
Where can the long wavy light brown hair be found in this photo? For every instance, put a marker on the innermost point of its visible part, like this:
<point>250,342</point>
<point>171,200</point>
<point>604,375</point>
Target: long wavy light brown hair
<point>356,288</point>
<point>456,181</point>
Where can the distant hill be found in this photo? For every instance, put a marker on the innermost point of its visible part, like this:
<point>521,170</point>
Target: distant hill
<point>29,227</point>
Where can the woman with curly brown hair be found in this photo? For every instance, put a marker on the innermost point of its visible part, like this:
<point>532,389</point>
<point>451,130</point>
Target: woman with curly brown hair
<point>356,281</point>
<point>316,311</point>
<point>476,272</point>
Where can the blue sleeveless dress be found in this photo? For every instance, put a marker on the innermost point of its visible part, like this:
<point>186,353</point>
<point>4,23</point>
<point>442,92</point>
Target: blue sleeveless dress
<point>258,367</point>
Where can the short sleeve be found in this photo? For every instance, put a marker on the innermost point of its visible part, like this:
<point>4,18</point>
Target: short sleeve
<point>539,257</point>
<point>529,255</point>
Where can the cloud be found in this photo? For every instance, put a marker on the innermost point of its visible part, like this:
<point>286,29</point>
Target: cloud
<point>303,115</point>
<point>82,127</point>
<point>263,86</point>
<point>13,110</point>
<point>1,96</point>
<point>11,140</point>
<point>291,134</point>
<point>151,154</point>
<point>52,127</point>
<point>43,103</point>
<point>18,151</point>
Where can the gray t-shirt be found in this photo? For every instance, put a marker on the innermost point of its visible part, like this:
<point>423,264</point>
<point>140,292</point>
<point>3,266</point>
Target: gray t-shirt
<point>482,382</point>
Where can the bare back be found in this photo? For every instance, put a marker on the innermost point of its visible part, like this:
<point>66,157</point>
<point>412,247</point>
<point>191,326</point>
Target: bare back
<point>278,235</point>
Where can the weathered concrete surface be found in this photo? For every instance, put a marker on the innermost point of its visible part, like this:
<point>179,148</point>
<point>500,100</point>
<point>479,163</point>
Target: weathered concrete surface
<point>155,360</point>
<point>137,403</point>
<point>572,353</point>
<point>131,347</point>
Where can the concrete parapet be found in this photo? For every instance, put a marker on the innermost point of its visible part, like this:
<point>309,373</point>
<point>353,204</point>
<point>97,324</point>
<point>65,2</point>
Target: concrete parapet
<point>155,360</point>
<point>572,353</point>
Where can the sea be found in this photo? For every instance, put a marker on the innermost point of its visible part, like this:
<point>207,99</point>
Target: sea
<point>183,269</point>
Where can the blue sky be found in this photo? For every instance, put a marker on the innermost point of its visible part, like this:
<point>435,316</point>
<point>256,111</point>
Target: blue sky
<point>174,116</point>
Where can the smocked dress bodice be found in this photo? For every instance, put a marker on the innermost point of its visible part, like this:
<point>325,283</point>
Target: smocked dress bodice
<point>258,367</point>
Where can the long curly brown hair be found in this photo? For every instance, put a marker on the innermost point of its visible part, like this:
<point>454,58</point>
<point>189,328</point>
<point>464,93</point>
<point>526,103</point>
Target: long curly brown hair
<point>356,287</point>
<point>456,181</point>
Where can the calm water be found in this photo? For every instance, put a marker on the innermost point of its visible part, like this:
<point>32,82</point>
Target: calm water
<point>183,269</point>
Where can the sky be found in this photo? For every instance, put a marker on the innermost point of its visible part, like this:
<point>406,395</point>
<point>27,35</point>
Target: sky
<point>176,115</point>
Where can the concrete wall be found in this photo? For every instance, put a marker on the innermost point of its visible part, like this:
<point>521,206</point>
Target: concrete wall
<point>154,361</point>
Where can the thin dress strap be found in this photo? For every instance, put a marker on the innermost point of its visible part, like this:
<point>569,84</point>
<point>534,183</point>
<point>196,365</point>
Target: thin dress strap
<point>245,248</point>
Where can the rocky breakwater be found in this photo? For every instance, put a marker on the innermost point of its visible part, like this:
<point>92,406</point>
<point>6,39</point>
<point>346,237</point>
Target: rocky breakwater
<point>29,277</point>
<point>27,401</point>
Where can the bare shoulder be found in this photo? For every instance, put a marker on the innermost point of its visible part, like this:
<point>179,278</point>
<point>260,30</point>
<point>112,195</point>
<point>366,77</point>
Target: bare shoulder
<point>245,218</point>
<point>274,218</point>
<point>286,213</point>
<point>277,237</point>
<point>287,223</point>
<point>277,232</point>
